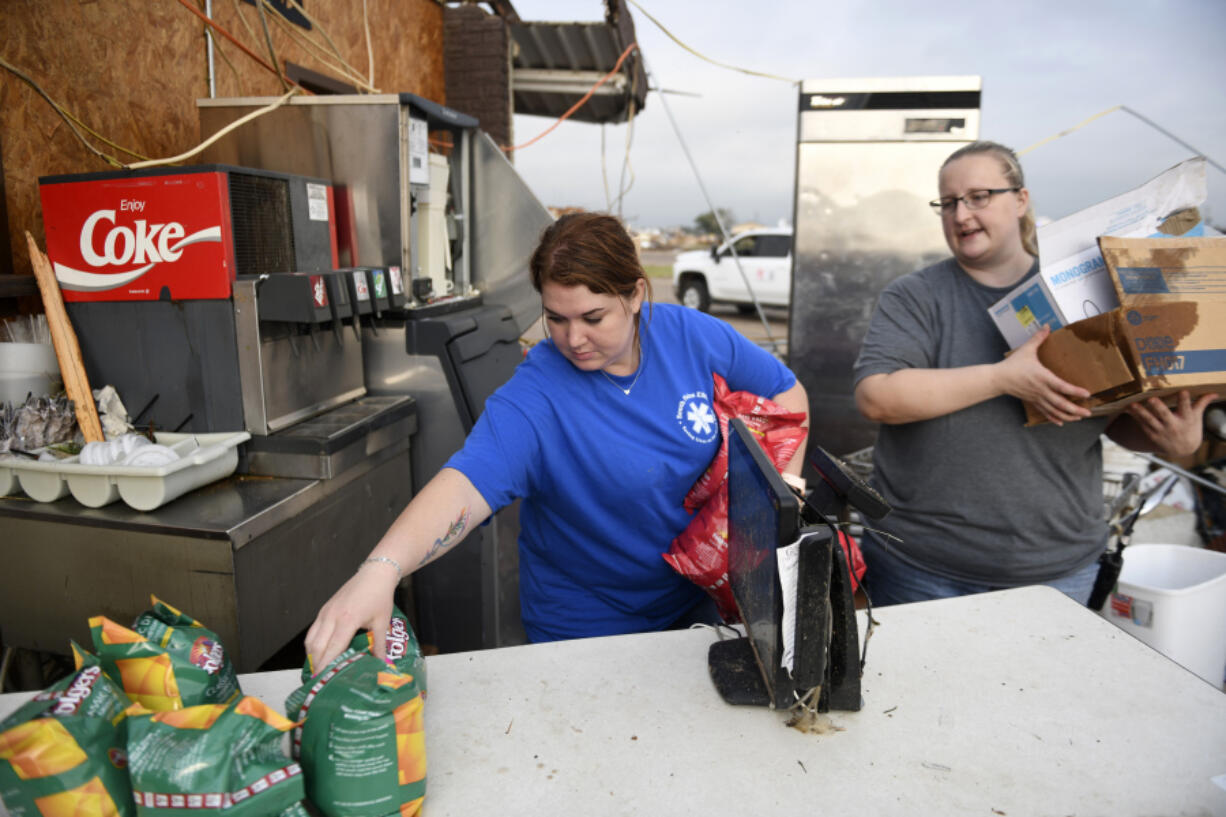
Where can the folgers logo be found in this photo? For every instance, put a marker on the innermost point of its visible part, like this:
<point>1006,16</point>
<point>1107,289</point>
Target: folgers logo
<point>397,639</point>
<point>207,654</point>
<point>70,702</point>
<point>140,238</point>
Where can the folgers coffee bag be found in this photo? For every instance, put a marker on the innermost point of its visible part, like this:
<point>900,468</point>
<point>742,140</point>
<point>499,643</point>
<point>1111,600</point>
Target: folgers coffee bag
<point>402,648</point>
<point>62,753</point>
<point>216,758</point>
<point>362,742</point>
<point>168,660</point>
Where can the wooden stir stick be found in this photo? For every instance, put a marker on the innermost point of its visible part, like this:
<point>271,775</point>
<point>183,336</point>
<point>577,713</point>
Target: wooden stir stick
<point>67,350</point>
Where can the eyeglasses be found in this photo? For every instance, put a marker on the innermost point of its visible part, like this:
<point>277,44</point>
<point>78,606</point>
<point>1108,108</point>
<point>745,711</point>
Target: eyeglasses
<point>974,200</point>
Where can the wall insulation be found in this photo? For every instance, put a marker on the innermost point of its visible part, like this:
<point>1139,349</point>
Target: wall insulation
<point>132,71</point>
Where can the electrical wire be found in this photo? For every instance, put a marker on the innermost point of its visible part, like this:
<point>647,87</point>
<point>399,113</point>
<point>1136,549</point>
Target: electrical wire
<point>1067,131</point>
<point>604,171</point>
<point>736,258</point>
<point>233,125</point>
<point>1131,112</point>
<point>343,70</point>
<point>702,56</point>
<point>577,105</point>
<point>74,124</point>
<point>623,187</point>
<point>238,12</point>
<point>212,24</point>
<point>238,80</point>
<point>1171,136</point>
<point>272,52</point>
<point>370,52</point>
<point>324,32</point>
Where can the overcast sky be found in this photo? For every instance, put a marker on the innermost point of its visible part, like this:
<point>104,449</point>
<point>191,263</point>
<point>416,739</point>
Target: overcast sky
<point>1046,65</point>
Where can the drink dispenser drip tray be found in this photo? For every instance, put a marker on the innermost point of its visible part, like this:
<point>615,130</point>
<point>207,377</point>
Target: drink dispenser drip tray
<point>327,444</point>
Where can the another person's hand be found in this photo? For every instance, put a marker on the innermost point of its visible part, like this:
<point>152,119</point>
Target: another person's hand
<point>1175,433</point>
<point>1023,376</point>
<point>363,602</point>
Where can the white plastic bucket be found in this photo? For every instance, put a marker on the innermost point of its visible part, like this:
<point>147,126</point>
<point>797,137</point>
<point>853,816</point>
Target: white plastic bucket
<point>1173,597</point>
<point>27,368</point>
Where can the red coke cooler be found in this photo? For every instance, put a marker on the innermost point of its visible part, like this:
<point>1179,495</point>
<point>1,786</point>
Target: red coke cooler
<point>182,233</point>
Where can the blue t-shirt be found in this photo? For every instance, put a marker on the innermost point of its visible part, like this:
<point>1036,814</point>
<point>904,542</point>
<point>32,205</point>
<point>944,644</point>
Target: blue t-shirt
<point>603,474</point>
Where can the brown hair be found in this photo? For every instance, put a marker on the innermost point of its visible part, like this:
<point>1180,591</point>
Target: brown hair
<point>589,249</point>
<point>1013,173</point>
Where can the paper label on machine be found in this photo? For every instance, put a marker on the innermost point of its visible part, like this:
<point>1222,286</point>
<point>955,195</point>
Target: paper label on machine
<point>317,201</point>
<point>319,291</point>
<point>130,239</point>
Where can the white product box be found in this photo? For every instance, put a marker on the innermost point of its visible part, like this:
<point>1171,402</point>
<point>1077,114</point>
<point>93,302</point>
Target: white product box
<point>1073,283</point>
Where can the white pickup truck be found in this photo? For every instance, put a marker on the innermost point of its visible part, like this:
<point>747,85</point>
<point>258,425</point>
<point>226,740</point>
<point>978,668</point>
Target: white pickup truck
<point>705,277</point>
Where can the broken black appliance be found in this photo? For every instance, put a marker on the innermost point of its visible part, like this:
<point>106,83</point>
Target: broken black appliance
<point>819,622</point>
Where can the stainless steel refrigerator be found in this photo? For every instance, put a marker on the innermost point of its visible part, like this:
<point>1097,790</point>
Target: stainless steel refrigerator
<point>867,156</point>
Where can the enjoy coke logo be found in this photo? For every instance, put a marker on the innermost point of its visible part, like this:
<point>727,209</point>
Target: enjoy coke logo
<point>122,245</point>
<point>142,244</point>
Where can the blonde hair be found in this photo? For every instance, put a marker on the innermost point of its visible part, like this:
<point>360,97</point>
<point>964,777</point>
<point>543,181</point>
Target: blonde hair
<point>1013,174</point>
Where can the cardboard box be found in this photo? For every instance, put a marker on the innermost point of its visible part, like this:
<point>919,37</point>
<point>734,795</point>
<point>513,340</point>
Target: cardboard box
<point>1073,282</point>
<point>1167,334</point>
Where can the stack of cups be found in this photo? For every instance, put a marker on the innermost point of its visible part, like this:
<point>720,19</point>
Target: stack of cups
<point>27,369</point>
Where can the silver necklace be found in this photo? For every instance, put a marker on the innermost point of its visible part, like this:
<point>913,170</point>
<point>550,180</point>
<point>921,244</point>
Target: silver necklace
<point>626,390</point>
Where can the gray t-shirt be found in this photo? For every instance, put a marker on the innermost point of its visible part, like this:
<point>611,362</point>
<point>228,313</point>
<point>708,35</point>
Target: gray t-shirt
<point>975,495</point>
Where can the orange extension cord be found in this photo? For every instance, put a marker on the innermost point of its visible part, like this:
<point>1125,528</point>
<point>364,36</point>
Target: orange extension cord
<point>232,39</point>
<point>577,105</point>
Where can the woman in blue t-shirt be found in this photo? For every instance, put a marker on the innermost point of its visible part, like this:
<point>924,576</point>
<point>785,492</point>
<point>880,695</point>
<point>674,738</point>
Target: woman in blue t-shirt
<point>601,431</point>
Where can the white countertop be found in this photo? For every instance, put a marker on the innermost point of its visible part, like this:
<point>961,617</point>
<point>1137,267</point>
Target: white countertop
<point>1012,703</point>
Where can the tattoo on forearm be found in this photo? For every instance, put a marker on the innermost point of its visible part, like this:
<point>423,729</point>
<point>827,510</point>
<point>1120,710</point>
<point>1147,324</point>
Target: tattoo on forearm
<point>454,532</point>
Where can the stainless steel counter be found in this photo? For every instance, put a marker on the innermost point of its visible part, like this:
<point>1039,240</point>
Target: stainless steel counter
<point>252,558</point>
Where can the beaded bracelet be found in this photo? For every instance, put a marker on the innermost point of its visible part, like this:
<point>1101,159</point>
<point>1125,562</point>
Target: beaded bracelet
<point>387,560</point>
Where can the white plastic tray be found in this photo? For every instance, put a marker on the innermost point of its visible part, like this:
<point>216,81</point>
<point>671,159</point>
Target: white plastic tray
<point>205,458</point>
<point>8,479</point>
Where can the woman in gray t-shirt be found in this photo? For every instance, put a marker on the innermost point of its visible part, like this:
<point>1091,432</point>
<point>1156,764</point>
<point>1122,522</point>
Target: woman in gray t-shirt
<point>980,502</point>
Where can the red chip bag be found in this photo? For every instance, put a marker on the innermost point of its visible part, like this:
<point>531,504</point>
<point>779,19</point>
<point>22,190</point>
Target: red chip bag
<point>778,429</point>
<point>700,553</point>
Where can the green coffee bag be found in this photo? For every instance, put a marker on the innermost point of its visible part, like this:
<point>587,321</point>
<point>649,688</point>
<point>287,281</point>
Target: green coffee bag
<point>168,660</point>
<point>213,758</point>
<point>402,648</point>
<point>62,753</point>
<point>361,741</point>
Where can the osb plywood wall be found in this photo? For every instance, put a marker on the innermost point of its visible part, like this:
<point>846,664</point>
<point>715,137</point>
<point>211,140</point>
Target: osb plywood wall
<point>132,70</point>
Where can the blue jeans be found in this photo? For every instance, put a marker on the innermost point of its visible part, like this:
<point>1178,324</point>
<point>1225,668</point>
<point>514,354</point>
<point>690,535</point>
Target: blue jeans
<point>890,580</point>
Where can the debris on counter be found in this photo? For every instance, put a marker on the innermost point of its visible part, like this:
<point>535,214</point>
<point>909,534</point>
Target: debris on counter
<point>36,423</point>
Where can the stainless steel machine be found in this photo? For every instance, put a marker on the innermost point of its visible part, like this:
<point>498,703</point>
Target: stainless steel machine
<point>209,297</point>
<point>867,156</point>
<point>430,192</point>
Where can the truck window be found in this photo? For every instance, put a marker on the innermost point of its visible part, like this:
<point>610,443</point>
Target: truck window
<point>774,246</point>
<point>746,247</point>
